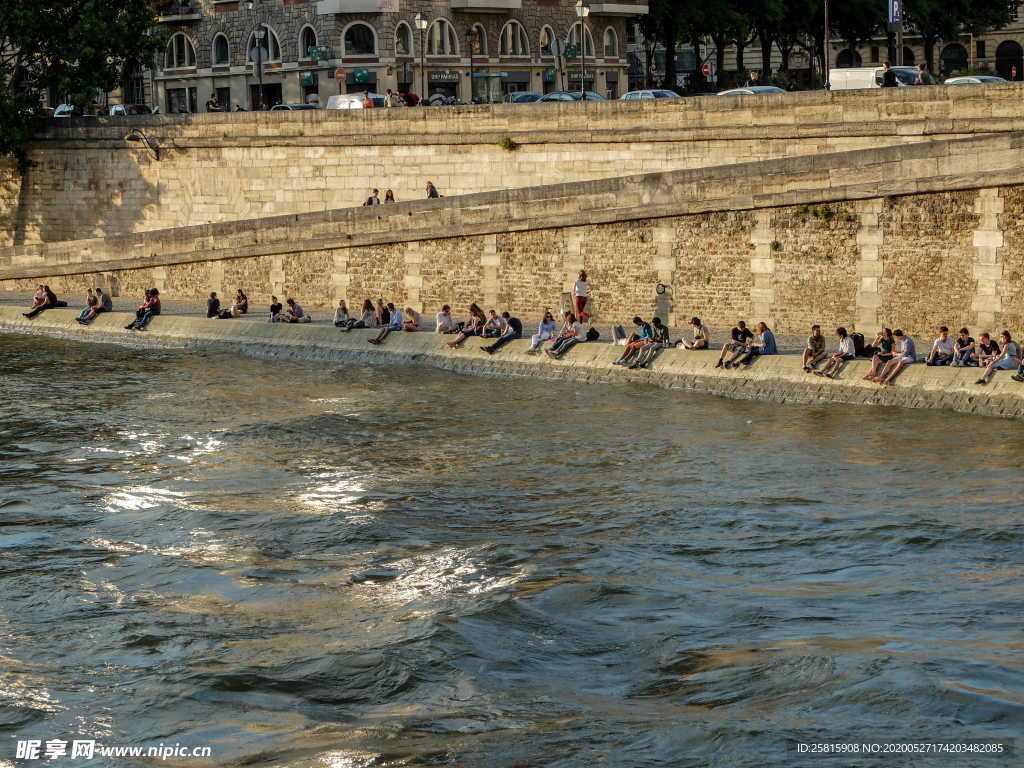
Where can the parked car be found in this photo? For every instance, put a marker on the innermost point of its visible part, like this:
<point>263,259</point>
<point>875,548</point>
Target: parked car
<point>975,80</point>
<point>649,94</point>
<point>570,96</point>
<point>288,107</point>
<point>69,110</point>
<point>850,78</point>
<point>752,90</point>
<point>522,97</point>
<point>353,101</point>
<point>123,110</point>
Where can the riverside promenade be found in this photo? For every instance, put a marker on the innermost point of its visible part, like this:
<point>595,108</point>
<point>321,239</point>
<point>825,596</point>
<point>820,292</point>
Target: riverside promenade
<point>776,378</point>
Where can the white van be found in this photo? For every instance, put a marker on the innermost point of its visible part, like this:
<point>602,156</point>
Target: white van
<point>850,78</point>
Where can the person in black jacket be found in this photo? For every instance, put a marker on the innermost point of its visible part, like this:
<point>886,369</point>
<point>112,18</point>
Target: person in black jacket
<point>212,305</point>
<point>888,76</point>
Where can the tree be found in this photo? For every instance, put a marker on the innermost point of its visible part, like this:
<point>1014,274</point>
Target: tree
<point>76,47</point>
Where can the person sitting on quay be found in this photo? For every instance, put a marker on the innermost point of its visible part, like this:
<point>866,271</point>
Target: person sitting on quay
<point>846,352</point>
<point>412,320</point>
<point>275,309</point>
<point>90,302</point>
<point>1007,361</point>
<point>341,314</point>
<point>659,340</point>
<point>701,336</point>
<point>882,345</point>
<point>149,309</point>
<point>294,314</point>
<point>493,327</point>
<point>905,354</point>
<point>637,340</point>
<point>513,330</point>
<point>474,327</point>
<point>212,306</point>
<point>445,323</point>
<point>762,344</point>
<point>986,350</point>
<point>382,314</point>
<point>942,349</point>
<point>394,323</point>
<point>103,304</point>
<point>963,349</point>
<point>740,336</point>
<point>241,302</point>
<point>814,351</point>
<point>366,319</point>
<point>43,300</point>
<point>545,332</point>
<point>572,333</point>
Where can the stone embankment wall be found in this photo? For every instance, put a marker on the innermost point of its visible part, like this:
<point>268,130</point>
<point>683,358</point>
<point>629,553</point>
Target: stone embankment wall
<point>87,181</point>
<point>777,378</point>
<point>909,236</point>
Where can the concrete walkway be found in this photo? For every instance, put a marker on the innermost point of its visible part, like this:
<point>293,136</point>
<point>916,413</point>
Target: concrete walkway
<point>777,378</point>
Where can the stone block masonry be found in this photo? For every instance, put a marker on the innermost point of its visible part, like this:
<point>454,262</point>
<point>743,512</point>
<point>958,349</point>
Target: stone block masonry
<point>784,241</point>
<point>777,379</point>
<point>87,181</point>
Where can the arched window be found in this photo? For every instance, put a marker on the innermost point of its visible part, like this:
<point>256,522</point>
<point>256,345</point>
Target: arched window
<point>307,40</point>
<point>441,39</point>
<point>1008,55</point>
<point>547,37</point>
<point>611,44</point>
<point>848,58</point>
<point>221,51</point>
<point>180,52</point>
<point>478,39</point>
<point>574,39</point>
<point>270,44</point>
<point>514,41</point>
<point>360,40</point>
<point>403,40</point>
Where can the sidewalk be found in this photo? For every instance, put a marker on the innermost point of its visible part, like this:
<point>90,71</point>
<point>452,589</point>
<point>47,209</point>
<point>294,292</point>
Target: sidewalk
<point>787,343</point>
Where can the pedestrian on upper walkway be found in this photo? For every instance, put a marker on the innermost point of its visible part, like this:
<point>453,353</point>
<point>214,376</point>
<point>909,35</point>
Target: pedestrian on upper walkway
<point>432,190</point>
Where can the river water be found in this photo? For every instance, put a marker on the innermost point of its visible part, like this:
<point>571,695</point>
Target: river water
<point>309,565</point>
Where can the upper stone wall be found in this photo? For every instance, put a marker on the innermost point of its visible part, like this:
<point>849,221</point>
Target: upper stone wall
<point>87,181</point>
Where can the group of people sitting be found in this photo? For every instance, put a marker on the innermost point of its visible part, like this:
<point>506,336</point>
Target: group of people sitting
<point>43,300</point>
<point>892,351</point>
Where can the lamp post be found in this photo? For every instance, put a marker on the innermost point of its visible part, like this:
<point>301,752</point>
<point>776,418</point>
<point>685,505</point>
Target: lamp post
<point>470,34</point>
<point>422,24</point>
<point>582,11</point>
<point>259,33</point>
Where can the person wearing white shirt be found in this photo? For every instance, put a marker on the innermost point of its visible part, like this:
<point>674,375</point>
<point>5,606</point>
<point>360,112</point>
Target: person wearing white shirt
<point>545,330</point>
<point>341,315</point>
<point>571,334</point>
<point>581,293</point>
<point>847,351</point>
<point>445,321</point>
<point>942,349</point>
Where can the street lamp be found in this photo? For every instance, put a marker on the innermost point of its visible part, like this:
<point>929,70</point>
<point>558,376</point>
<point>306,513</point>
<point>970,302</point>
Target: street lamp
<point>421,25</point>
<point>250,6</point>
<point>582,11</point>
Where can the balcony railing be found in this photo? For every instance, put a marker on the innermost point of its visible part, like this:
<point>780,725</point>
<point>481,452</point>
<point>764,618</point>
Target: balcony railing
<point>484,6</point>
<point>620,8</point>
<point>171,11</point>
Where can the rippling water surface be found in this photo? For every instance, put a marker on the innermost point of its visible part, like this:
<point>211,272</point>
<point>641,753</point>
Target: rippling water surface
<point>308,565</point>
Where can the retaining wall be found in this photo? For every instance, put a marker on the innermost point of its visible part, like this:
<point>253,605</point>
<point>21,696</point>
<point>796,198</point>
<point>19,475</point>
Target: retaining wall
<point>86,180</point>
<point>777,378</point>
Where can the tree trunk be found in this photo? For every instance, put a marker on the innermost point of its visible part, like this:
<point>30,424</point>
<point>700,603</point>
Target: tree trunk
<point>741,46</point>
<point>670,54</point>
<point>720,43</point>
<point>766,55</point>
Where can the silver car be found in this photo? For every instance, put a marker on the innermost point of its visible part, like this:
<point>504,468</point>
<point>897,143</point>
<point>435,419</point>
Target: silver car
<point>752,90</point>
<point>975,80</point>
<point>653,93</point>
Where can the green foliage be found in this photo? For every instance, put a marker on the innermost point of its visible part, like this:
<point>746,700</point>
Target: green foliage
<point>508,144</point>
<point>776,245</point>
<point>76,47</point>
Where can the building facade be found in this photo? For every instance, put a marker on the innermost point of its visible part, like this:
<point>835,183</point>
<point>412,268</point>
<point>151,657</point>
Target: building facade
<point>309,50</point>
